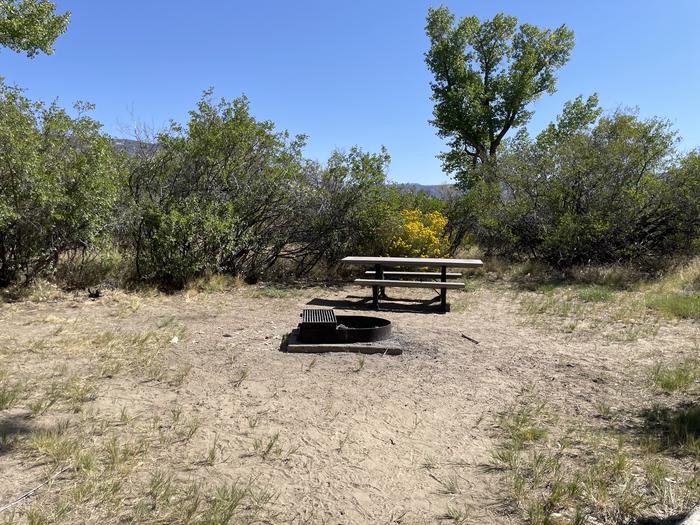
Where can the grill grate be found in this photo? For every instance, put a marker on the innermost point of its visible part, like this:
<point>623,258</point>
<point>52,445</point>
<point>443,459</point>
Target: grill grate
<point>318,316</point>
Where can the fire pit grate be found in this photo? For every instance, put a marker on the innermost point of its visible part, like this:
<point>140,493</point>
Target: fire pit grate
<point>323,326</point>
<point>318,315</point>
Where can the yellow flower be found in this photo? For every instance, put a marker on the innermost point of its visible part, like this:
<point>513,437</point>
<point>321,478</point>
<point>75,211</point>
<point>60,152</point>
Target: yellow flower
<point>421,235</point>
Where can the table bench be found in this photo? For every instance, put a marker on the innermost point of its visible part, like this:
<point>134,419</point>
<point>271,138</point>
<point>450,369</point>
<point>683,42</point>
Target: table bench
<point>378,283</point>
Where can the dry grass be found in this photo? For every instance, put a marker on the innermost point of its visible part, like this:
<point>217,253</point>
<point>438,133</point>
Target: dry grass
<point>574,472</point>
<point>618,315</point>
<point>614,301</point>
<point>212,284</point>
<point>676,377</point>
<point>146,408</point>
<point>104,461</point>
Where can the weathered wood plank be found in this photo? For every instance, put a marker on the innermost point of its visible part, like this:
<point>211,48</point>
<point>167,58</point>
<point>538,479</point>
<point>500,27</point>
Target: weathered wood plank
<point>415,261</point>
<point>450,275</point>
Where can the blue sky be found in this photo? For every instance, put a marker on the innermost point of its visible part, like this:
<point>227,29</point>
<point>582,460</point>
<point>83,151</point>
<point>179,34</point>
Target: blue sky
<point>349,72</point>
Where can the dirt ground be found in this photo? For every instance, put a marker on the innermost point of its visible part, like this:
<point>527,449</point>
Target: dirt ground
<point>334,438</point>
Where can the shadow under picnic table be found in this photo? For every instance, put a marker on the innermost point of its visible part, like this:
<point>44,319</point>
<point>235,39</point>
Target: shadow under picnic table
<point>388,304</point>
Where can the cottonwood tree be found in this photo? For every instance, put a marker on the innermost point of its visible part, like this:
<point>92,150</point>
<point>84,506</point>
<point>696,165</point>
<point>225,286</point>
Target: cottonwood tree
<point>30,26</point>
<point>485,76</point>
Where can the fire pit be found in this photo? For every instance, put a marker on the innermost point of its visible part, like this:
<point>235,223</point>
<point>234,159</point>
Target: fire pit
<point>320,330</point>
<point>323,326</point>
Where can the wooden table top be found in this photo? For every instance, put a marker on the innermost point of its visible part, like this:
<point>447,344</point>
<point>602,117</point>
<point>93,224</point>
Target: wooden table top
<point>414,261</point>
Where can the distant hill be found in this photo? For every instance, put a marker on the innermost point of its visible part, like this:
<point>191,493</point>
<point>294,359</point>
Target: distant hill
<point>434,190</point>
<point>133,147</point>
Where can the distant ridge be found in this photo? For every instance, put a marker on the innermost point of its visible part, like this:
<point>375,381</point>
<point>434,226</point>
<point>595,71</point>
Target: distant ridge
<point>434,190</point>
<point>133,147</point>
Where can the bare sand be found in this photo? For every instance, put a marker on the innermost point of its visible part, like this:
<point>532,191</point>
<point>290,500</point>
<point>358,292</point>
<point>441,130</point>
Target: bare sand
<point>358,441</point>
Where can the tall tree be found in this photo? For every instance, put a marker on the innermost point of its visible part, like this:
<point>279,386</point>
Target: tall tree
<point>30,26</point>
<point>485,75</point>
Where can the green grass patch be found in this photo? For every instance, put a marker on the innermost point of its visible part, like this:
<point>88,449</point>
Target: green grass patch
<point>272,292</point>
<point>675,305</point>
<point>595,294</point>
<point>678,377</point>
<point>9,395</point>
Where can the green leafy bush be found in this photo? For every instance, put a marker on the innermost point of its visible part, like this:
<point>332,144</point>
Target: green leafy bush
<point>347,209</point>
<point>228,193</point>
<point>59,181</point>
<point>588,190</point>
<point>217,195</point>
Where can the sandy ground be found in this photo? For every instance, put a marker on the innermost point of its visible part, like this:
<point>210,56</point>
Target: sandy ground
<point>358,442</point>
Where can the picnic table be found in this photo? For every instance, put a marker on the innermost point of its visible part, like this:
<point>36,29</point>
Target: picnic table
<point>379,275</point>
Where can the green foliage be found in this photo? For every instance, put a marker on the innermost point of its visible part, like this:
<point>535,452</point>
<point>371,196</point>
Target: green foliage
<point>678,305</point>
<point>59,179</point>
<point>228,193</point>
<point>485,76</point>
<point>217,195</point>
<point>346,208</point>
<point>30,26</point>
<point>676,377</point>
<point>595,294</point>
<point>588,189</point>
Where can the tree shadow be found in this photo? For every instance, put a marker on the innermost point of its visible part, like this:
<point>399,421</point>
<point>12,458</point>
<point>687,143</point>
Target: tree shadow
<point>672,430</point>
<point>12,426</point>
<point>676,519</point>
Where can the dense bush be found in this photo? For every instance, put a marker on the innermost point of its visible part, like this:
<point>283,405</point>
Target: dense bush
<point>420,235</point>
<point>59,179</point>
<point>217,195</point>
<point>588,189</point>
<point>230,194</point>
<point>344,208</point>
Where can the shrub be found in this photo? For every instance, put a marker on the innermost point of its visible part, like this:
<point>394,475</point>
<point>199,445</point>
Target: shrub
<point>588,190</point>
<point>228,193</point>
<point>420,235</point>
<point>59,180</point>
<point>217,195</point>
<point>345,208</point>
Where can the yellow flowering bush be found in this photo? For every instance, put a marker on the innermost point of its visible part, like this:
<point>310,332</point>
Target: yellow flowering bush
<point>421,235</point>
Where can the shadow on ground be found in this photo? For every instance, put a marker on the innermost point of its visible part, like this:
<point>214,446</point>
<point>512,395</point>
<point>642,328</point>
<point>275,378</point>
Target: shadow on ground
<point>670,430</point>
<point>13,425</point>
<point>671,520</point>
<point>391,304</point>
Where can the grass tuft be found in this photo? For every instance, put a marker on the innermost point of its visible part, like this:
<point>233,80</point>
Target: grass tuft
<point>595,294</point>
<point>677,305</point>
<point>588,476</point>
<point>678,377</point>
<point>272,292</point>
<point>9,394</point>
<point>265,448</point>
<point>360,364</point>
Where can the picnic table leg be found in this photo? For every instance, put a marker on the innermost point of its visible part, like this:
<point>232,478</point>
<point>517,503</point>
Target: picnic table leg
<point>443,291</point>
<point>379,274</point>
<point>376,290</point>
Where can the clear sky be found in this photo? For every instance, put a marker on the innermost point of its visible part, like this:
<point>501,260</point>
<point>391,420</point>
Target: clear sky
<point>349,72</point>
